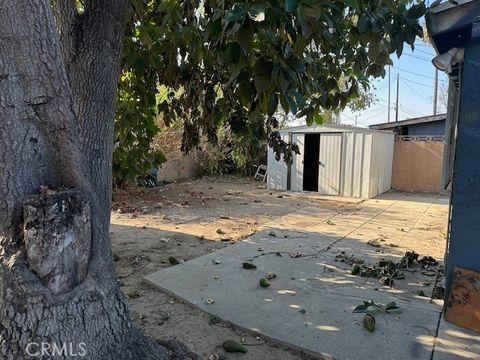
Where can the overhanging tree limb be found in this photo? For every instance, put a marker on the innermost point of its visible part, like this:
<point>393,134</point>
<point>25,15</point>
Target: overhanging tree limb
<point>235,62</point>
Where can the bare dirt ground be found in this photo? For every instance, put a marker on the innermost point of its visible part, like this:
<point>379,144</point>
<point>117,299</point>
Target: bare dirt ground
<point>184,221</point>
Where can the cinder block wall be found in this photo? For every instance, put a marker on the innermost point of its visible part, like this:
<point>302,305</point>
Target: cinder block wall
<point>417,166</point>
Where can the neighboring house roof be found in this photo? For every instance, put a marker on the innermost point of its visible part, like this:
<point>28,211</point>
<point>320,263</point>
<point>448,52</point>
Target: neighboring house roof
<point>325,128</point>
<point>419,120</point>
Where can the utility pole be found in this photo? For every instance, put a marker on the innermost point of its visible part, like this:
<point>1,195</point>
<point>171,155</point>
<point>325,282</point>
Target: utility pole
<point>435,92</point>
<point>398,91</point>
<point>389,82</point>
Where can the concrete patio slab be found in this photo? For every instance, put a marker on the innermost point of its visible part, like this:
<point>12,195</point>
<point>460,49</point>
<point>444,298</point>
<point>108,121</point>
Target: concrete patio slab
<point>310,304</point>
<point>456,343</point>
<point>328,327</point>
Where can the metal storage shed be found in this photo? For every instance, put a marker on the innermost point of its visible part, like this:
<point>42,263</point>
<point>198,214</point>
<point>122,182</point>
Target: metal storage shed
<point>335,160</point>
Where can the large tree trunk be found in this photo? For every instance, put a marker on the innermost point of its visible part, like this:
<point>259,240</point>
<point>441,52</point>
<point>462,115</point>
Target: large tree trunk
<point>57,94</point>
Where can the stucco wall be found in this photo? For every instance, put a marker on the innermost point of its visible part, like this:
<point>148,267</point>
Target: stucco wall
<point>417,166</point>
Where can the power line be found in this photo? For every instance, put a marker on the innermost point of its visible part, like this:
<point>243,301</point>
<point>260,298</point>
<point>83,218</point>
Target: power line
<point>415,82</point>
<point>407,109</point>
<point>372,111</point>
<point>407,112</point>
<point>375,112</point>
<point>413,111</point>
<point>385,101</point>
<point>414,73</point>
<point>418,57</point>
<point>381,87</point>
<point>418,83</point>
<point>385,106</point>
<point>374,116</point>
<point>378,112</point>
<point>348,117</point>
<point>416,93</point>
<point>352,119</point>
<point>423,52</point>
<point>402,109</point>
<point>362,123</point>
<point>377,104</point>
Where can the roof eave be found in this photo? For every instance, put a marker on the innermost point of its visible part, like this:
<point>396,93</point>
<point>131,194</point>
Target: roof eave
<point>414,121</point>
<point>450,25</point>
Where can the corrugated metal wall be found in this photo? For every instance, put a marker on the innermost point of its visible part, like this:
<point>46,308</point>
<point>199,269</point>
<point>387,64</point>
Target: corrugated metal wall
<point>365,164</point>
<point>297,165</point>
<point>356,164</point>
<point>277,170</point>
<point>381,164</point>
<point>330,162</point>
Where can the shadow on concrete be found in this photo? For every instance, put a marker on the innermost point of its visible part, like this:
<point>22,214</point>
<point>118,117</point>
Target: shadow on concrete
<point>309,305</point>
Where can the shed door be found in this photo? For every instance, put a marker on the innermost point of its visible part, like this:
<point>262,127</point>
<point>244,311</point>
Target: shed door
<point>310,162</point>
<point>297,166</point>
<point>330,163</point>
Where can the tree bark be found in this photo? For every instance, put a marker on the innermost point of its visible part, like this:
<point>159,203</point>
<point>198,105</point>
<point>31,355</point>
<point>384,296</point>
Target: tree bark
<point>57,94</point>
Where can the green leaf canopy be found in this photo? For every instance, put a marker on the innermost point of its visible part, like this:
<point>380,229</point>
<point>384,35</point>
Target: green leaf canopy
<point>214,62</point>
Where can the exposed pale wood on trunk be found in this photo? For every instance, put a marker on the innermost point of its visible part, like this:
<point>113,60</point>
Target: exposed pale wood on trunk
<point>57,236</point>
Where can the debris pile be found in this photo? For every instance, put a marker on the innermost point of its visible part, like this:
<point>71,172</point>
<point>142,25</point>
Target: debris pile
<point>386,270</point>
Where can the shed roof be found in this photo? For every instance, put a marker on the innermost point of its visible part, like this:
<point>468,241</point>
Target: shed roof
<point>325,128</point>
<point>418,120</point>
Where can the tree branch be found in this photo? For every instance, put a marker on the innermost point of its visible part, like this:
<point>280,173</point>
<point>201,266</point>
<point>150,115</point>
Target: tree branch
<point>92,46</point>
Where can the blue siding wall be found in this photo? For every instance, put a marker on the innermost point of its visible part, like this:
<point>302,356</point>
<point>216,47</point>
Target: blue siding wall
<point>464,247</point>
<point>430,128</point>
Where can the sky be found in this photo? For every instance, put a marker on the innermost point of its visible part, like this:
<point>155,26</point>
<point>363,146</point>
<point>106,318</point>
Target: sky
<point>416,73</point>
